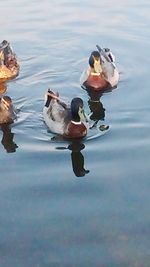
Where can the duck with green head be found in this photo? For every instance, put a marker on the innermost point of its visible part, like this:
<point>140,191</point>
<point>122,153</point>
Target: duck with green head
<point>101,73</point>
<point>68,121</point>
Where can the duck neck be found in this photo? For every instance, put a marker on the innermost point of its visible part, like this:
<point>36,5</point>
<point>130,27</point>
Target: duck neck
<point>76,122</point>
<point>75,118</point>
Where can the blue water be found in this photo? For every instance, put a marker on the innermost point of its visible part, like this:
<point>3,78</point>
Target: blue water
<point>76,204</point>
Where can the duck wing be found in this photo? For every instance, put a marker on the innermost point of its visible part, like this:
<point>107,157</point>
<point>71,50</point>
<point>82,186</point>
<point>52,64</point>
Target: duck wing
<point>57,112</point>
<point>56,116</point>
<point>109,68</point>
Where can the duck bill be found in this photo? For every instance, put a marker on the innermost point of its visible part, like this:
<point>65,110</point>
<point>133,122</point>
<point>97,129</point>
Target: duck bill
<point>82,115</point>
<point>97,66</point>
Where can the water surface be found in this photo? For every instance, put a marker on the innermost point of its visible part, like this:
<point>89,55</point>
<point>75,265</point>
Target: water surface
<point>84,203</point>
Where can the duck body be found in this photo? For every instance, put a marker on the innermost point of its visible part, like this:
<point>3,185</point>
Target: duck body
<point>65,120</point>
<point>94,81</point>
<point>9,67</point>
<point>101,73</point>
<point>7,113</point>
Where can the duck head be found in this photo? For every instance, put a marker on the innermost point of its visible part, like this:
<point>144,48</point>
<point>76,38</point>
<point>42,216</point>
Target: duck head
<point>1,57</point>
<point>77,110</point>
<point>6,48</point>
<point>7,113</point>
<point>95,61</point>
<point>3,50</point>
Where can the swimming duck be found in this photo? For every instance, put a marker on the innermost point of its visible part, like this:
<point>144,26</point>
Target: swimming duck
<point>101,73</point>
<point>68,121</point>
<point>9,67</point>
<point>7,113</point>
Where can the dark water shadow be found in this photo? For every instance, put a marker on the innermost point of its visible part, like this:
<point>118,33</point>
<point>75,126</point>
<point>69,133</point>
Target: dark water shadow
<point>7,138</point>
<point>77,158</point>
<point>96,106</point>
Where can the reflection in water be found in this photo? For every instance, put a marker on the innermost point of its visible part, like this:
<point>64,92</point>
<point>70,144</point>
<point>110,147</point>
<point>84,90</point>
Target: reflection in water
<point>7,139</point>
<point>7,115</point>
<point>76,157</point>
<point>97,109</point>
<point>96,106</point>
<point>3,88</point>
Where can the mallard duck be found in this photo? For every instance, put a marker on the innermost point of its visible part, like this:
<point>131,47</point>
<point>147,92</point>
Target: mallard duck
<point>70,122</point>
<point>101,73</point>
<point>7,113</point>
<point>9,67</point>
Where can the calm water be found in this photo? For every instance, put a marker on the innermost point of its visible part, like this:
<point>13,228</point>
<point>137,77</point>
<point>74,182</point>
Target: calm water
<point>76,204</point>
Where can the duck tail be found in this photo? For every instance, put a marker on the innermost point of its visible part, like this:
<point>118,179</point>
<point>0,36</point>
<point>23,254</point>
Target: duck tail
<point>49,96</point>
<point>53,95</point>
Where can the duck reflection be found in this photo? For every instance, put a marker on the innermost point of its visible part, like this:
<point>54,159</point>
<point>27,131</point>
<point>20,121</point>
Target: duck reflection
<point>3,88</point>
<point>96,106</point>
<point>77,158</point>
<point>7,117</point>
<point>7,138</point>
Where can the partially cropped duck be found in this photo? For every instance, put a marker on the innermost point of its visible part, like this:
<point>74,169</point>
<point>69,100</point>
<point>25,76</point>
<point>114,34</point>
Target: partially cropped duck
<point>68,121</point>
<point>7,113</point>
<point>9,67</point>
<point>101,73</point>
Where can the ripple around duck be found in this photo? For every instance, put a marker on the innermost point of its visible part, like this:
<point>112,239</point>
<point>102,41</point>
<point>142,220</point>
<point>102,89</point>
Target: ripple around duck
<point>49,141</point>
